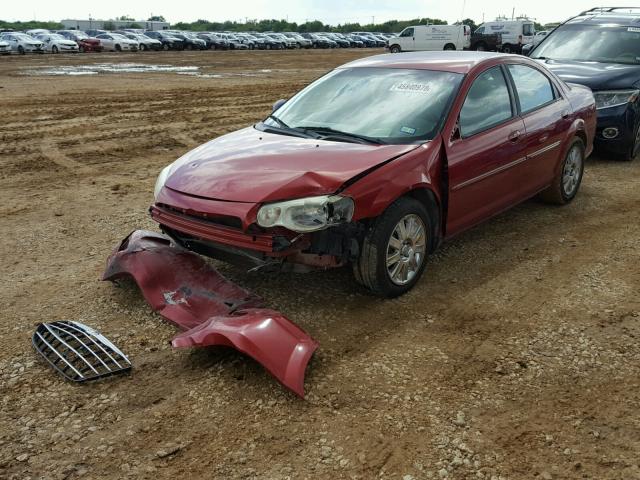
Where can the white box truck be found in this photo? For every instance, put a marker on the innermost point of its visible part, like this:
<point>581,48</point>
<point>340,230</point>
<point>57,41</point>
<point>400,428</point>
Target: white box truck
<point>431,37</point>
<point>515,33</point>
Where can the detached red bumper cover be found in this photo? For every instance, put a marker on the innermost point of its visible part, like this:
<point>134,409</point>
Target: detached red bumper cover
<point>188,292</point>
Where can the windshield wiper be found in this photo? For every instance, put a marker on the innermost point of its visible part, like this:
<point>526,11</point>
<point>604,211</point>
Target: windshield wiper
<point>331,133</point>
<point>278,121</point>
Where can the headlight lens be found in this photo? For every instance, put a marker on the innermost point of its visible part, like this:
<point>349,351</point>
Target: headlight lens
<point>307,214</point>
<point>162,178</point>
<point>614,98</point>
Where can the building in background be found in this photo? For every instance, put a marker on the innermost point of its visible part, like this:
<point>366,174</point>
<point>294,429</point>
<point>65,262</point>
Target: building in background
<point>93,24</point>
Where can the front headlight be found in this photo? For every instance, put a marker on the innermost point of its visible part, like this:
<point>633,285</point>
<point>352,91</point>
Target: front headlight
<point>615,98</point>
<point>162,179</point>
<point>307,214</point>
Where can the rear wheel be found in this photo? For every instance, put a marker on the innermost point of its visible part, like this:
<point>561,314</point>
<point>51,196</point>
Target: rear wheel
<point>54,49</point>
<point>395,249</point>
<point>118,48</point>
<point>567,182</point>
<point>481,47</point>
<point>507,48</point>
<point>395,49</point>
<point>449,46</point>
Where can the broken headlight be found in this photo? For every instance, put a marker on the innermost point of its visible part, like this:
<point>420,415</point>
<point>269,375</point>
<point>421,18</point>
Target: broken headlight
<point>307,214</point>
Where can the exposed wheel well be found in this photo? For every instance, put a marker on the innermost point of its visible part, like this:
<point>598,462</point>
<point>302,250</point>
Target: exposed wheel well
<point>582,136</point>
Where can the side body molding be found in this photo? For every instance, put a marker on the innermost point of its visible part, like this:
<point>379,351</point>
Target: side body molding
<point>187,291</point>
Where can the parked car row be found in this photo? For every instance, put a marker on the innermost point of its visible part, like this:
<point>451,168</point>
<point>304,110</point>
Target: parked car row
<point>40,40</point>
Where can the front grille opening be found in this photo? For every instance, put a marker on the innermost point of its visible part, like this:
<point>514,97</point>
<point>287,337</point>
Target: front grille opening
<point>224,220</point>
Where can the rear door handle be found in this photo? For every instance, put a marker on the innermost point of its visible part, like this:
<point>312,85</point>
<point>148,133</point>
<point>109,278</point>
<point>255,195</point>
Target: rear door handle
<point>515,136</point>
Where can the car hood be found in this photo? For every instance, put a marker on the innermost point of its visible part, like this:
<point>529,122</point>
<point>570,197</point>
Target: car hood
<point>254,166</point>
<point>596,75</point>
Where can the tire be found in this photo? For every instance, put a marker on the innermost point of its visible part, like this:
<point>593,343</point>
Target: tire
<point>81,49</point>
<point>373,269</point>
<point>507,48</point>
<point>118,48</point>
<point>395,49</point>
<point>566,184</point>
<point>634,148</point>
<point>20,49</point>
<point>54,49</point>
<point>481,47</point>
<point>143,47</point>
<point>449,46</point>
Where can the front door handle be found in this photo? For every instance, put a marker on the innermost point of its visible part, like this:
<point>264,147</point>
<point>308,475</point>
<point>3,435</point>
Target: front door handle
<point>565,114</point>
<point>515,136</point>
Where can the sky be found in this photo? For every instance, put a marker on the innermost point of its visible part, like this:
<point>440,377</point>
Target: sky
<point>327,11</point>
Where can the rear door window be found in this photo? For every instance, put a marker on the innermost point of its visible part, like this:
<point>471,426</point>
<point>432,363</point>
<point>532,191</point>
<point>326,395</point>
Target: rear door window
<point>488,103</point>
<point>533,87</point>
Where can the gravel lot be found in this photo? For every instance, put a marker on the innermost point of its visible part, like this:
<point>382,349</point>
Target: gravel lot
<point>516,357</point>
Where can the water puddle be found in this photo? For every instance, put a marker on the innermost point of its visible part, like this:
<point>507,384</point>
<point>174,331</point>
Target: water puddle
<point>101,68</point>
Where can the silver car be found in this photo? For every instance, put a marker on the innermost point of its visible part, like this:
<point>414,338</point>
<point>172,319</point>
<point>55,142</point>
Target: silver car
<point>22,43</point>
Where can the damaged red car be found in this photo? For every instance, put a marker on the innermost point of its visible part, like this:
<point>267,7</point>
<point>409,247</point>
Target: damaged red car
<point>377,162</point>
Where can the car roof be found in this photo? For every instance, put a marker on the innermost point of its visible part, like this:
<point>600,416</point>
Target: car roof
<point>608,16</point>
<point>456,62</point>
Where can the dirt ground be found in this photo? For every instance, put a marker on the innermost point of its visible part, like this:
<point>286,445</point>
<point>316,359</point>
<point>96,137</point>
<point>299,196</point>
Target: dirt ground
<point>515,357</point>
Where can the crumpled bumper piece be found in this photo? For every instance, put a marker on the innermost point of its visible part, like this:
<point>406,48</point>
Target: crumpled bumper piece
<point>190,293</point>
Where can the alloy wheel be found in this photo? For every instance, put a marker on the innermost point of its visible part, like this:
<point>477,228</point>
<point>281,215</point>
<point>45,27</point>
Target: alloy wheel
<point>572,171</point>
<point>406,249</point>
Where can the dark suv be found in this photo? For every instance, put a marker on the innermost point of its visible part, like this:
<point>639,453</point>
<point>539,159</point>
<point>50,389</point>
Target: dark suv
<point>600,48</point>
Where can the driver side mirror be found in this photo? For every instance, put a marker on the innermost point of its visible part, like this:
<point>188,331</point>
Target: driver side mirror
<point>526,49</point>
<point>278,104</point>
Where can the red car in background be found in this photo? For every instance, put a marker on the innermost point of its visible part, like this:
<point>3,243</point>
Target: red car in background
<point>84,41</point>
<point>379,161</point>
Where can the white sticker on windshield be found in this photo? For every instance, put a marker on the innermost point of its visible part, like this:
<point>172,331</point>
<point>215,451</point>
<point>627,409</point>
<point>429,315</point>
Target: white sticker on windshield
<point>410,87</point>
<point>633,29</point>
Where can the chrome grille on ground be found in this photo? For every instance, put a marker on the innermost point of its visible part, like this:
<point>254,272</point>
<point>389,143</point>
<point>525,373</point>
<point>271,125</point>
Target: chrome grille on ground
<point>78,352</point>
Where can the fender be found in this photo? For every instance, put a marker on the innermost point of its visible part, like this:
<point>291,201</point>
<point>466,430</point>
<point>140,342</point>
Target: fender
<point>418,169</point>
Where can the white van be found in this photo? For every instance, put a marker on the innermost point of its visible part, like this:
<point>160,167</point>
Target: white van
<point>431,37</point>
<point>515,33</point>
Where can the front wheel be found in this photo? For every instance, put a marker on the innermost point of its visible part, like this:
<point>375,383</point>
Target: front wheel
<point>634,148</point>
<point>567,182</point>
<point>20,50</point>
<point>507,48</point>
<point>395,249</point>
<point>449,46</point>
<point>54,49</point>
<point>395,49</point>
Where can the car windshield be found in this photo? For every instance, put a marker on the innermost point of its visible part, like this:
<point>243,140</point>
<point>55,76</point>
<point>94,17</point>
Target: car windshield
<point>592,44</point>
<point>117,36</point>
<point>23,37</point>
<point>388,104</point>
<point>80,35</point>
<point>55,36</point>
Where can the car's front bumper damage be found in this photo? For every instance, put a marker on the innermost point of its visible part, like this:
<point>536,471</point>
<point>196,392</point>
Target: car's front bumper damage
<point>187,291</point>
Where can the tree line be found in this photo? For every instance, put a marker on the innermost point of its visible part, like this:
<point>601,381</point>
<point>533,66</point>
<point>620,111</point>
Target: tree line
<point>273,25</point>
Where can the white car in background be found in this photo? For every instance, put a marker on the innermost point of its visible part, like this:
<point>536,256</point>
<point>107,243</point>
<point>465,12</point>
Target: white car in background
<point>5,48</point>
<point>22,43</point>
<point>116,42</point>
<point>56,43</point>
<point>146,43</point>
<point>539,36</point>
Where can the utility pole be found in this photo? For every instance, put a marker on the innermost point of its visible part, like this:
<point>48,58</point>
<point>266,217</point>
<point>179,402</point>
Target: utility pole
<point>373,20</point>
<point>513,13</point>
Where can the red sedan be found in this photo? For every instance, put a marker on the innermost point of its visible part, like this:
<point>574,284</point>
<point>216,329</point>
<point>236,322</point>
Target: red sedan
<point>379,161</point>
